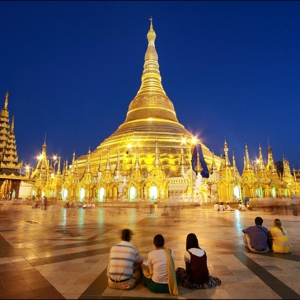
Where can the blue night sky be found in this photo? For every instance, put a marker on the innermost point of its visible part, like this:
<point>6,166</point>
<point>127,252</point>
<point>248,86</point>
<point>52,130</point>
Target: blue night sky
<point>231,69</point>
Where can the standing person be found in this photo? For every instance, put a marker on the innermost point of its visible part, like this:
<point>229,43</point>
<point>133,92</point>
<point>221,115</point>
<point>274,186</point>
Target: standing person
<point>160,275</point>
<point>279,239</point>
<point>196,274</point>
<point>124,263</point>
<point>256,237</point>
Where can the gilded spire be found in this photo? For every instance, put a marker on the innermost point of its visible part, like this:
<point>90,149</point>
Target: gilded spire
<point>12,126</point>
<point>261,165</point>
<point>227,161</point>
<point>137,164</point>
<point>247,163</point>
<point>6,100</point>
<point>88,160</point>
<point>151,107</point>
<point>100,164</point>
<point>58,166</point>
<point>107,161</point>
<point>151,79</point>
<point>73,162</point>
<point>157,160</point>
<point>271,165</point>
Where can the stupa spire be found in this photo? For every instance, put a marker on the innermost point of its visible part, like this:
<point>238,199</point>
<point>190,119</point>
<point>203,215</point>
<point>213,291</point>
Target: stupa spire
<point>151,107</point>
<point>12,126</point>
<point>247,163</point>
<point>151,79</point>
<point>6,100</point>
<point>261,165</point>
<point>227,161</point>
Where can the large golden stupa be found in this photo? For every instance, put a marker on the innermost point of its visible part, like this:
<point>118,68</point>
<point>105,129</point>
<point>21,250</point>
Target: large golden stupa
<point>149,158</point>
<point>150,132</point>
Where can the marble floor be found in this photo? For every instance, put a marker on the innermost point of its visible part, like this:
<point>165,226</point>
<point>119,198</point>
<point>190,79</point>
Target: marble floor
<point>61,253</point>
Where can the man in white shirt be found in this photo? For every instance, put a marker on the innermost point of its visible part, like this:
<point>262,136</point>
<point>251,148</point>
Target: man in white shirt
<point>123,269</point>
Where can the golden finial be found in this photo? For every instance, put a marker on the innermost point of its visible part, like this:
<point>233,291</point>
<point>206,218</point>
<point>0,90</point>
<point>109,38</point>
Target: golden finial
<point>151,33</point>
<point>12,127</point>
<point>6,100</point>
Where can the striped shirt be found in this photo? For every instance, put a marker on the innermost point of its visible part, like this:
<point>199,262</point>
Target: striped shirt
<point>122,258</point>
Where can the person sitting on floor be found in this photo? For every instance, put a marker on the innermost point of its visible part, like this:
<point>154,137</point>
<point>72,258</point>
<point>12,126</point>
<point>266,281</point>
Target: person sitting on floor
<point>124,263</point>
<point>217,207</point>
<point>256,237</point>
<point>221,207</point>
<point>196,274</point>
<point>159,272</point>
<point>228,207</point>
<point>279,239</point>
<point>242,207</point>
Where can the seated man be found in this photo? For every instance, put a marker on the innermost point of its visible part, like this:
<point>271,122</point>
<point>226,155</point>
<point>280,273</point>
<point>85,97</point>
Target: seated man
<point>256,237</point>
<point>242,207</point>
<point>217,207</point>
<point>221,207</point>
<point>124,263</point>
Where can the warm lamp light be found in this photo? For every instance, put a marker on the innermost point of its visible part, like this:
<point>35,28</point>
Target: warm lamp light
<point>194,140</point>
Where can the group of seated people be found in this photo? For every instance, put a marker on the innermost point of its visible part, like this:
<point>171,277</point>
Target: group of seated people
<point>222,207</point>
<point>242,207</point>
<point>259,239</point>
<point>80,205</point>
<point>126,267</point>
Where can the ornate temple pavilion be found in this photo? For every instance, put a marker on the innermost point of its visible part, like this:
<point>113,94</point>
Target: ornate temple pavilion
<point>148,158</point>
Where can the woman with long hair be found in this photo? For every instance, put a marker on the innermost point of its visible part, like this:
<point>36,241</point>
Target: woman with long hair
<point>196,274</point>
<point>279,239</point>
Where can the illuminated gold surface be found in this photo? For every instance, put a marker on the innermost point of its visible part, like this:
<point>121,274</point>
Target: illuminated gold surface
<point>150,119</point>
<point>151,148</point>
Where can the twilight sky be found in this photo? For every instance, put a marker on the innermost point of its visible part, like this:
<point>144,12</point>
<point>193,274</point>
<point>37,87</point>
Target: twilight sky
<point>231,69</point>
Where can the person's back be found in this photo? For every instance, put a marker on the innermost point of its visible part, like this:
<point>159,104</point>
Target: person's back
<point>160,276</point>
<point>217,207</point>
<point>124,262</point>
<point>256,237</point>
<point>197,265</point>
<point>221,207</point>
<point>157,260</point>
<point>279,238</point>
<point>196,274</point>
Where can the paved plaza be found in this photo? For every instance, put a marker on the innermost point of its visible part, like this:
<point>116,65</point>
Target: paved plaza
<point>61,253</point>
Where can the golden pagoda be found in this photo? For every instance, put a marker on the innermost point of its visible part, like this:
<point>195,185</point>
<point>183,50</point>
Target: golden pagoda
<point>10,175</point>
<point>149,152</point>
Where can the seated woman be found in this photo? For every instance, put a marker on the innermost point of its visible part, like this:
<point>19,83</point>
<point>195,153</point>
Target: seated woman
<point>160,276</point>
<point>196,274</point>
<point>279,240</point>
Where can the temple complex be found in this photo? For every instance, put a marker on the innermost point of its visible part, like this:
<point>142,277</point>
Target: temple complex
<point>10,175</point>
<point>149,158</point>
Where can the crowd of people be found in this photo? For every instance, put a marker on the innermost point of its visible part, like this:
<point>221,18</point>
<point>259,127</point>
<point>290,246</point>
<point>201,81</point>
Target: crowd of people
<point>127,268</point>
